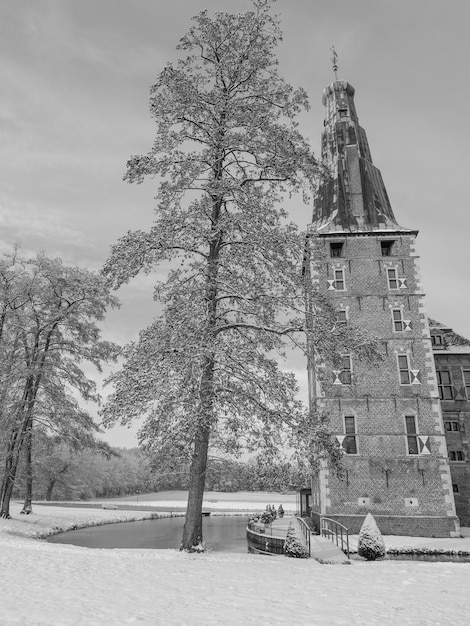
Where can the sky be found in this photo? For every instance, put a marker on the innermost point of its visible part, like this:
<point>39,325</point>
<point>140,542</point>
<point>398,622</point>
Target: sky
<point>75,79</point>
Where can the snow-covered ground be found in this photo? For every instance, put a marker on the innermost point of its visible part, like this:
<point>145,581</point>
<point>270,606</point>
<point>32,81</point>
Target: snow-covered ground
<point>51,584</point>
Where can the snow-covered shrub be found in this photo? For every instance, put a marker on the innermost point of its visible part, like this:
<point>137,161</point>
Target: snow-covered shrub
<point>371,545</point>
<point>294,545</point>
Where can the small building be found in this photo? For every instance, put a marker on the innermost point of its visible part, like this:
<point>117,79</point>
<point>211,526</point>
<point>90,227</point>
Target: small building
<point>387,415</point>
<point>304,502</point>
<point>452,359</point>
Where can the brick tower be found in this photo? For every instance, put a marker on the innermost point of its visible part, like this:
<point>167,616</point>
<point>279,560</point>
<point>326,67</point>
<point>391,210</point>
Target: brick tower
<point>385,415</point>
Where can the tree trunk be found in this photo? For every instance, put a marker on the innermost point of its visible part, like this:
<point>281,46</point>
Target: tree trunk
<point>11,466</point>
<point>5,510</point>
<point>15,445</point>
<point>27,506</point>
<point>25,420</point>
<point>11,463</point>
<point>50,487</point>
<point>192,532</point>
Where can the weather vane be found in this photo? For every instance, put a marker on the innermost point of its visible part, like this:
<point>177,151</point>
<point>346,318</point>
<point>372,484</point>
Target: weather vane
<point>334,60</point>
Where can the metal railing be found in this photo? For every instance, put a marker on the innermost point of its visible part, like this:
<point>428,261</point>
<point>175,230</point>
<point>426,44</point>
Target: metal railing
<point>262,540</point>
<point>335,532</point>
<point>306,533</point>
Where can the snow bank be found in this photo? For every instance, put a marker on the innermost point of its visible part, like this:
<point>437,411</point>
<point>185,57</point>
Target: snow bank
<point>46,521</point>
<point>403,544</point>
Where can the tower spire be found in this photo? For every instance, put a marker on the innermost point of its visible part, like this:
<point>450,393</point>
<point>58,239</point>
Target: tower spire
<point>353,198</point>
<point>334,61</point>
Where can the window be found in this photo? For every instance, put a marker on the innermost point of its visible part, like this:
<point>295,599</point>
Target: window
<point>444,383</point>
<point>411,434</point>
<point>341,316</point>
<point>345,374</point>
<point>437,340</point>
<point>398,319</point>
<point>392,278</point>
<point>342,375</point>
<point>466,380</point>
<point>456,455</point>
<point>450,426</point>
<point>406,375</point>
<point>455,488</point>
<point>336,249</point>
<point>339,279</point>
<point>337,282</point>
<point>386,247</point>
<point>404,369</point>
<point>399,323</point>
<point>349,442</point>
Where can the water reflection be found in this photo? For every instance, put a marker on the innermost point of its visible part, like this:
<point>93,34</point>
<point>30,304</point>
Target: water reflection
<point>221,533</point>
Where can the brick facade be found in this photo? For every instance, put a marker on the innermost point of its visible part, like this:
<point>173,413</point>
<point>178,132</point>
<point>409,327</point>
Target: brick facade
<point>409,526</point>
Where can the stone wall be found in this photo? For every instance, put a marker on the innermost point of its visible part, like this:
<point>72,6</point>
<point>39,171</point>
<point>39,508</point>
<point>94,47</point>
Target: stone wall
<point>417,526</point>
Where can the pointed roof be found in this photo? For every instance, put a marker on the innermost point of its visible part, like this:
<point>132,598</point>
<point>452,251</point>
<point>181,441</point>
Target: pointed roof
<point>352,196</point>
<point>453,342</point>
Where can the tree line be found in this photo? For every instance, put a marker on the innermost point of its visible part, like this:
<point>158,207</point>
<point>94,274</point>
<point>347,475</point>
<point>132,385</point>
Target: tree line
<point>61,472</point>
<point>49,329</point>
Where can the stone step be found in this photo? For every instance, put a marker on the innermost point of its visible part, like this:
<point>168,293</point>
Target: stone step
<point>326,551</point>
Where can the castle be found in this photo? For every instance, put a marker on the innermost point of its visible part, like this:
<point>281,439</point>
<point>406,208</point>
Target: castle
<point>401,422</point>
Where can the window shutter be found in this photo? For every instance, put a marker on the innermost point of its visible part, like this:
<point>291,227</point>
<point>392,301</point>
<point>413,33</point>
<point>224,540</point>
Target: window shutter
<point>424,445</point>
<point>459,393</point>
<point>336,380</point>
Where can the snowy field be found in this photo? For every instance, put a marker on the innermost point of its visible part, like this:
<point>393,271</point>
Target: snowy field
<point>241,501</point>
<point>52,584</point>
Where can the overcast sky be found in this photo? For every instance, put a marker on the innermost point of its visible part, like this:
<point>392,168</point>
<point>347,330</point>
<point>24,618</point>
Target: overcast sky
<point>75,78</point>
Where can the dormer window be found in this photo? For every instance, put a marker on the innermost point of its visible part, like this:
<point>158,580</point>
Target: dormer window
<point>437,340</point>
<point>387,247</point>
<point>336,249</point>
